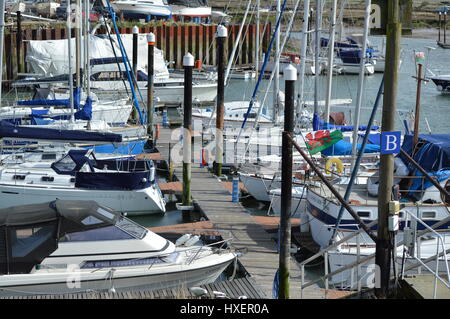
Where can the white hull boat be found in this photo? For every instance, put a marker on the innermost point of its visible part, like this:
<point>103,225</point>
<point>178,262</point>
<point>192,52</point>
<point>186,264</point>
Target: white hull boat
<point>126,185</point>
<point>165,90</point>
<point>98,250</point>
<point>142,7</point>
<point>350,68</point>
<point>298,202</point>
<point>111,112</point>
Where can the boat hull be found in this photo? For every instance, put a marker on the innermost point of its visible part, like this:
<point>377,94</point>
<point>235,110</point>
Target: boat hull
<point>140,202</point>
<point>129,279</point>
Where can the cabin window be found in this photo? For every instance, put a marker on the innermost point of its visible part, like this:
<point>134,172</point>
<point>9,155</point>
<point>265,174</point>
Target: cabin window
<point>364,214</point>
<point>98,234</point>
<point>131,228</point>
<point>91,220</point>
<point>25,240</point>
<point>429,215</point>
<point>48,156</point>
<point>105,213</point>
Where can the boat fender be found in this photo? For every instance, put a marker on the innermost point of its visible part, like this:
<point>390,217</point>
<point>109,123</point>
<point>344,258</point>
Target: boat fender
<point>152,174</point>
<point>192,241</point>
<point>439,87</point>
<point>334,163</point>
<point>183,239</point>
<point>372,186</point>
<point>157,131</point>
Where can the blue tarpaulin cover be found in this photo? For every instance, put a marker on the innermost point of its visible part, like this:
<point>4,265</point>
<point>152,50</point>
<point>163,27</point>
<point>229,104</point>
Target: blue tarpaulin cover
<point>433,153</point>
<point>345,148</point>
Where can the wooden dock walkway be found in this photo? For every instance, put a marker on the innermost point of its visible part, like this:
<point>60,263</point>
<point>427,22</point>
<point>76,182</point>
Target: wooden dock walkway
<point>231,288</point>
<point>232,220</point>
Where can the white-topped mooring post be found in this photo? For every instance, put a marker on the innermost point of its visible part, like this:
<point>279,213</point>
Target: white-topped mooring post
<point>151,41</point>
<point>290,77</point>
<point>188,63</point>
<point>222,34</point>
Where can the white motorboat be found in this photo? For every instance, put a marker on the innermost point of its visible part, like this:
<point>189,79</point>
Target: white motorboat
<point>125,185</point>
<point>352,68</point>
<point>142,8</point>
<point>79,246</point>
<point>191,10</point>
<point>442,83</point>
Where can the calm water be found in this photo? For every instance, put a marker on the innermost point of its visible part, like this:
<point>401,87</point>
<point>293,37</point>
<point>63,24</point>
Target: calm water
<point>435,107</point>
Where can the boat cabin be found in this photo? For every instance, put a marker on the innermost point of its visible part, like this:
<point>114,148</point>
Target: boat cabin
<point>30,233</point>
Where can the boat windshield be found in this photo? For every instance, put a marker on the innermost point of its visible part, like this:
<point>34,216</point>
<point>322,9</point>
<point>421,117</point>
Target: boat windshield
<point>131,227</point>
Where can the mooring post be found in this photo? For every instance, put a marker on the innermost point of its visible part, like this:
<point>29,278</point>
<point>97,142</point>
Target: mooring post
<point>150,80</point>
<point>445,27</point>
<point>19,42</point>
<point>290,77</point>
<point>235,190</point>
<point>440,26</point>
<point>383,242</point>
<point>135,31</point>
<point>188,63</point>
<point>222,34</point>
<point>419,58</point>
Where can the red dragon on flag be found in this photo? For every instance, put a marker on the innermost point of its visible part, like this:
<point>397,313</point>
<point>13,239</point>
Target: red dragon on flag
<point>320,140</point>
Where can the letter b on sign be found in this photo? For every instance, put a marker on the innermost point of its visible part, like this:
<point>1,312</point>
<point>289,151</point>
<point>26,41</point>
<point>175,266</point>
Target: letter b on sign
<point>390,142</point>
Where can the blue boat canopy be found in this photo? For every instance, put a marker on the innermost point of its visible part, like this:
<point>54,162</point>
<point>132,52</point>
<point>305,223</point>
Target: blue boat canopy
<point>8,130</point>
<point>433,153</point>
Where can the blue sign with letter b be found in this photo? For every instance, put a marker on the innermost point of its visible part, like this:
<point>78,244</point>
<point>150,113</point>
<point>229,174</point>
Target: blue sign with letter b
<point>390,142</point>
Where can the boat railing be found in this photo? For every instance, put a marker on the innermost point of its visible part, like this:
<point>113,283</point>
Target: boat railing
<point>365,198</point>
<point>441,255</point>
<point>412,248</point>
<point>197,250</point>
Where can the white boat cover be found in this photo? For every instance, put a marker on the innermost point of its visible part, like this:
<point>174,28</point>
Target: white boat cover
<point>50,57</point>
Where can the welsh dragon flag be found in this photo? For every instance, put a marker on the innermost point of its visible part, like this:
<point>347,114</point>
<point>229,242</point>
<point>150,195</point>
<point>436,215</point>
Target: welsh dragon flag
<point>320,140</point>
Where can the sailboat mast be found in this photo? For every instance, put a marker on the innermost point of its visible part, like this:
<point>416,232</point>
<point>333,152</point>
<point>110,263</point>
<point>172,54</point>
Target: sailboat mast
<point>2,32</point>
<point>330,61</point>
<point>360,80</point>
<point>276,86</point>
<point>87,69</point>
<point>258,39</point>
<point>317,64</point>
<point>304,45</point>
<point>70,71</point>
<point>78,43</point>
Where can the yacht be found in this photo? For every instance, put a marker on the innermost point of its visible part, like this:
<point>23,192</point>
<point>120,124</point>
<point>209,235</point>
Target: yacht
<point>420,201</point>
<point>442,83</point>
<point>62,247</point>
<point>147,9</point>
<point>124,184</point>
<point>191,10</point>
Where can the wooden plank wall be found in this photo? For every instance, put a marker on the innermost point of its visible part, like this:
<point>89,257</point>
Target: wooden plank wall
<point>174,40</point>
